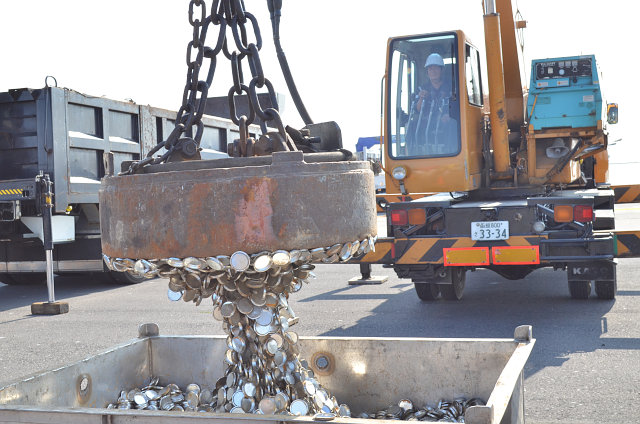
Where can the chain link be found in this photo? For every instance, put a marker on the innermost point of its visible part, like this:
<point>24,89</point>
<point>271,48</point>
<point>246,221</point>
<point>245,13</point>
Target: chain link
<point>181,144</point>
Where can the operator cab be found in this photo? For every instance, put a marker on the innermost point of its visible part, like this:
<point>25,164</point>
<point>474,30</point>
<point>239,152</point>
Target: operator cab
<point>433,113</point>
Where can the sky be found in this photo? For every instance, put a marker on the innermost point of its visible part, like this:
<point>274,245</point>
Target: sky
<point>135,49</point>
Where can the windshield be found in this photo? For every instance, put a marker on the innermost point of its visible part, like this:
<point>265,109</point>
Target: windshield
<point>424,106</point>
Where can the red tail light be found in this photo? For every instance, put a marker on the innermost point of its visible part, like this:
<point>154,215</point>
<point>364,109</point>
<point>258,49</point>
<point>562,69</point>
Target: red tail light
<point>583,213</point>
<point>399,217</point>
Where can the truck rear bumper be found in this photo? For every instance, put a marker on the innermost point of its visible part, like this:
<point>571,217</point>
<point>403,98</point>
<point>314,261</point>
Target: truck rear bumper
<point>89,265</point>
<point>462,251</point>
<point>27,255</point>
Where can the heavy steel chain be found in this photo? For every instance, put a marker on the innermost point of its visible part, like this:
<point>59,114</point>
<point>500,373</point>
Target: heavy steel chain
<point>182,143</point>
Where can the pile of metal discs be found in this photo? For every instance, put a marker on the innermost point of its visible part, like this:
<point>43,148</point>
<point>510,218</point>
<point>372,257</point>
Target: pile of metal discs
<point>446,411</point>
<point>264,373</point>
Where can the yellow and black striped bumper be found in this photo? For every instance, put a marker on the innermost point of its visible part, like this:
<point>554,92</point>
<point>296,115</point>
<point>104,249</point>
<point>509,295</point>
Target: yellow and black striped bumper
<point>627,193</point>
<point>11,192</point>
<point>627,244</point>
<point>430,250</point>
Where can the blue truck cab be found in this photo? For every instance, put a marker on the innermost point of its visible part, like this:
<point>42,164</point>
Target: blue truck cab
<point>564,93</point>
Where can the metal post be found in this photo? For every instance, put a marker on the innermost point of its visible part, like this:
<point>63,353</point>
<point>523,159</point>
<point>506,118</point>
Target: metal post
<point>50,288</point>
<point>47,235</point>
<point>365,270</point>
<point>51,307</point>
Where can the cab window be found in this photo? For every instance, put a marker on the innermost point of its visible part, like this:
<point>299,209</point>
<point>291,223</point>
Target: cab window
<point>424,117</point>
<point>474,83</point>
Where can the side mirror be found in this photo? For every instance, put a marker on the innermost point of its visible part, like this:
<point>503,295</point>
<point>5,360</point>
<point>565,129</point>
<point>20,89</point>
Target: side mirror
<point>612,113</point>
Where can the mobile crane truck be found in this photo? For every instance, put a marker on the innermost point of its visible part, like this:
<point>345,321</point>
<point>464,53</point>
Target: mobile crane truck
<point>521,188</point>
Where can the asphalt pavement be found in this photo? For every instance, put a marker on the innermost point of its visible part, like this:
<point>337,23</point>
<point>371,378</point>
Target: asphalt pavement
<point>584,368</point>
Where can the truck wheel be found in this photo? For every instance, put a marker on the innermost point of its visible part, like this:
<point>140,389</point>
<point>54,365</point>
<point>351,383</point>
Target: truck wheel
<point>606,290</point>
<point>427,291</point>
<point>126,278</point>
<point>580,289</point>
<point>27,278</point>
<point>454,290</point>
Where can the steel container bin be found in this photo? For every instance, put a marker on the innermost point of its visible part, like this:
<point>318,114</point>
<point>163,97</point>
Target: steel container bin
<point>366,373</point>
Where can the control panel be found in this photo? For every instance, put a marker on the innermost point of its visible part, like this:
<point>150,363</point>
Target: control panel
<point>563,68</point>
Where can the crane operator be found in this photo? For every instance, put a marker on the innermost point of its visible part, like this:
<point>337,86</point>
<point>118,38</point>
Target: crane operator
<point>431,130</point>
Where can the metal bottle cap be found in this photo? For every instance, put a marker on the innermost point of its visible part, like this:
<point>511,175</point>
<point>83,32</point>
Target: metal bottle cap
<point>262,262</point>
<point>284,323</point>
<point>141,267</point>
<point>271,300</point>
<point>294,256</point>
<point>237,398</point>
<point>227,309</point>
<point>305,256</point>
<point>289,378</point>
<point>255,313</point>
<point>333,250</point>
<point>176,283</point>
<point>267,405</point>
<point>231,380</point>
<point>345,252</point>
<point>240,261</point>
<point>324,416</point>
<point>281,258</point>
<point>271,346</point>
<point>344,410</point>
<point>262,330</point>
<point>299,407</point>
<point>278,339</point>
<point>266,317</point>
<point>214,264</point>
<point>249,389</point>
<point>364,247</point>
<point>152,395</point>
<point>217,313</point>
<point>224,260</point>
<point>243,289</point>
<point>193,263</point>
<point>405,404</point>
<point>189,295</point>
<point>193,280</point>
<point>239,345</point>
<point>248,404</point>
<point>331,259</point>
<point>174,296</point>
<point>318,254</point>
<point>259,297</point>
<point>192,399</point>
<point>175,262</point>
<point>282,401</point>
<point>244,306</point>
<point>280,358</point>
<point>140,399</point>
<point>292,337</point>
<point>206,396</point>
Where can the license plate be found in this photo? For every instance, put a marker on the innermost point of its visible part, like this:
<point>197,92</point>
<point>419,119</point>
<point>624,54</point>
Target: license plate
<point>490,230</point>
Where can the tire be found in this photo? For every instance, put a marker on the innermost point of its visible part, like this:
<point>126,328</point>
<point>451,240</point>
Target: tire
<point>455,290</point>
<point>580,289</point>
<point>606,290</point>
<point>27,278</point>
<point>427,291</point>
<point>126,278</point>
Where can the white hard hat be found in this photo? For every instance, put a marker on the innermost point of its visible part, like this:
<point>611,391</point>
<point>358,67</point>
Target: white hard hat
<point>434,59</point>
